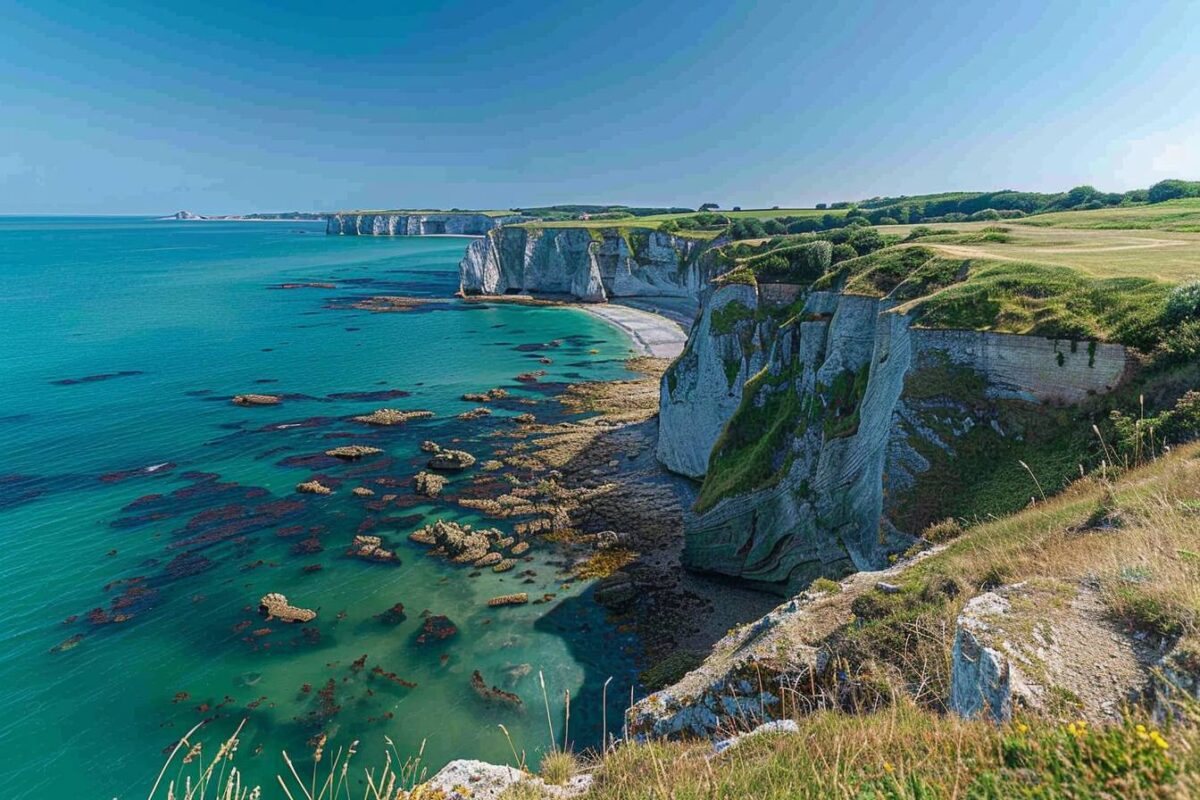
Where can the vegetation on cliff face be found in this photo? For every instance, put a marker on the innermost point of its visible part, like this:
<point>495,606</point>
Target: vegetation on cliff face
<point>753,450</point>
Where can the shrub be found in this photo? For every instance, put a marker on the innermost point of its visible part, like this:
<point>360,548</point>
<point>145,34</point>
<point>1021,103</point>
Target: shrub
<point>843,252</point>
<point>1183,303</point>
<point>943,531</point>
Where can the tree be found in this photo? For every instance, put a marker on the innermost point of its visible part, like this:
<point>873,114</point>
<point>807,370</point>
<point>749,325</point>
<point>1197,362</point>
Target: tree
<point>774,227</point>
<point>822,206</point>
<point>1173,190</point>
<point>709,207</point>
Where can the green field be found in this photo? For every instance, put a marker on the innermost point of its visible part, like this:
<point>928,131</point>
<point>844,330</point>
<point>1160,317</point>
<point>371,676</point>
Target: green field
<point>1166,255</point>
<point>1173,215</point>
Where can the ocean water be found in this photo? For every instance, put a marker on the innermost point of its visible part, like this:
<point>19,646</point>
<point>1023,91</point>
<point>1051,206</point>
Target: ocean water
<point>142,514</point>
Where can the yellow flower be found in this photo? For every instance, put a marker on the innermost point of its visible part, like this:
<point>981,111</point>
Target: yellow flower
<point>1158,740</point>
<point>888,768</point>
<point>1022,727</point>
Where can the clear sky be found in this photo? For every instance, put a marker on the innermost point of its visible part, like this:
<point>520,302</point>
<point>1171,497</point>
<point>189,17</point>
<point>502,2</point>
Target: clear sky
<point>111,107</point>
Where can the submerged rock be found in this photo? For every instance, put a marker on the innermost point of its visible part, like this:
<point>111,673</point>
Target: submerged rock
<point>451,460</point>
<point>460,543</point>
<point>436,628</point>
<point>370,548</point>
<point>391,416</point>
<point>353,451</point>
<point>257,400</point>
<point>275,606</point>
<point>515,599</point>
<point>492,693</point>
<point>428,483</point>
<point>485,397</point>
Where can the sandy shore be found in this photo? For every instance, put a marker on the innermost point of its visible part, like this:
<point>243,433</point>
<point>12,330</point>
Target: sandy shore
<point>652,334</point>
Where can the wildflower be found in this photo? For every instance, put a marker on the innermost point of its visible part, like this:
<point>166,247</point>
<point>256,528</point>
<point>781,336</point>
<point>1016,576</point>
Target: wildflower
<point>1022,728</point>
<point>888,768</point>
<point>1159,741</point>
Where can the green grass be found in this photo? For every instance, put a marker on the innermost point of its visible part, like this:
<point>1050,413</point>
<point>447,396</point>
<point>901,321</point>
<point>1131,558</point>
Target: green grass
<point>1173,215</point>
<point>1045,300</point>
<point>906,753</point>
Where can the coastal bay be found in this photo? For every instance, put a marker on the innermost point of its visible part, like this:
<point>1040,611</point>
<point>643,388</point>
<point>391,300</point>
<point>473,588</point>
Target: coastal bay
<point>148,514</point>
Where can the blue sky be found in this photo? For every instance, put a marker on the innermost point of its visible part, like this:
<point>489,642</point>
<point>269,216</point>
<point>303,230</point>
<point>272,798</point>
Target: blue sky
<point>221,107</point>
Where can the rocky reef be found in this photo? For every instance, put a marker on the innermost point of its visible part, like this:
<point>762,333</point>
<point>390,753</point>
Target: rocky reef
<point>416,223</point>
<point>823,423</point>
<point>586,264</point>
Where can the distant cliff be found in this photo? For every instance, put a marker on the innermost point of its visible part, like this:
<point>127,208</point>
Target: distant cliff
<point>584,263</point>
<point>416,223</point>
<point>829,431</point>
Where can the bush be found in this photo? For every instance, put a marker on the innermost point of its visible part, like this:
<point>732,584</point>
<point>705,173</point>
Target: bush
<point>943,531</point>
<point>1183,303</point>
<point>843,252</point>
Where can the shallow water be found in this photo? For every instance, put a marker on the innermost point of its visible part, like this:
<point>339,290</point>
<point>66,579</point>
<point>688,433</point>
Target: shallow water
<point>130,485</point>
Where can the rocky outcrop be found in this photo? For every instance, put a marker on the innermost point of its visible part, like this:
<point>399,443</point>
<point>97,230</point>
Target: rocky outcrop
<point>1045,647</point>
<point>391,416</point>
<point>825,462</point>
<point>478,780</point>
<point>416,223</point>
<point>351,452</point>
<point>275,606</point>
<point>587,264</point>
<point>450,460</point>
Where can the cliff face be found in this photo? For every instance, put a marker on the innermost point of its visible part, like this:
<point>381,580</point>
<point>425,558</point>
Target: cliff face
<point>829,458</point>
<point>465,224</point>
<point>587,264</point>
<point>703,387</point>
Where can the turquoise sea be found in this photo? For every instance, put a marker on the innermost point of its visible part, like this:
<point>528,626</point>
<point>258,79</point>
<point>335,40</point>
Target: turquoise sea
<point>143,515</point>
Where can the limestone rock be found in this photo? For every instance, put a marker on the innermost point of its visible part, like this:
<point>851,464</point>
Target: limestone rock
<point>485,397</point>
<point>516,599</point>
<point>451,460</point>
<point>257,400</point>
<point>586,264</point>
<point>863,396</point>
<point>1038,645</point>
<point>475,413</point>
<point>352,451</point>
<point>477,780</point>
<point>275,606</point>
<point>313,487</point>
<point>391,416</point>
<point>460,543</point>
<point>362,491</point>
<point>467,223</point>
<point>428,483</point>
<point>370,548</point>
